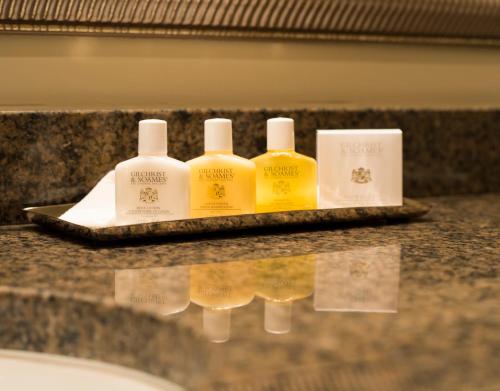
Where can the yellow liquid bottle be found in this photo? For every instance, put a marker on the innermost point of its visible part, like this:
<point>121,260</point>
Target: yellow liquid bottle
<point>280,282</point>
<point>218,288</point>
<point>221,183</point>
<point>285,179</point>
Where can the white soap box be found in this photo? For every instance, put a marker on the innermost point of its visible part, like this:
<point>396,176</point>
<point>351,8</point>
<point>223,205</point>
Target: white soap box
<point>360,167</point>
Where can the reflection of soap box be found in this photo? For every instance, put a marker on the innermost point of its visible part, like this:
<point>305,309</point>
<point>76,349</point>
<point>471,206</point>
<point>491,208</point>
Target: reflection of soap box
<point>363,280</point>
<point>358,168</point>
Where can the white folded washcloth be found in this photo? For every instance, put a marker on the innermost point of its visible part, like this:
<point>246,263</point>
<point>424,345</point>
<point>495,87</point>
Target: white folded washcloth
<point>96,209</point>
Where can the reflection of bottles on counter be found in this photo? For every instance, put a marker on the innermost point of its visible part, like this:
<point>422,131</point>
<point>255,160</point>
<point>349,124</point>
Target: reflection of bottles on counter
<point>280,282</point>
<point>219,287</point>
<point>365,280</point>
<point>164,290</point>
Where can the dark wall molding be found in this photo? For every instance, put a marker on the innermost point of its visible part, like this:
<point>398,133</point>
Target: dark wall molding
<point>427,21</point>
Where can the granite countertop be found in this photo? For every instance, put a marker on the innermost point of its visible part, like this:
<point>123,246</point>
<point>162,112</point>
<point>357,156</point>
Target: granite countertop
<point>402,306</point>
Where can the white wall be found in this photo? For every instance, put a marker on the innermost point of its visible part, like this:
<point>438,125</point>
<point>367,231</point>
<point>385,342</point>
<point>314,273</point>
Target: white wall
<point>53,72</point>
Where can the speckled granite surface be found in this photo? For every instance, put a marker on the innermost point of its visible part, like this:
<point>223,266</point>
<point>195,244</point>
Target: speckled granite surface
<point>49,216</point>
<point>56,157</point>
<point>435,280</point>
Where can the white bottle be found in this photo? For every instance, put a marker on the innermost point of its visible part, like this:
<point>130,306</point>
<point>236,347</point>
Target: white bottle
<point>152,186</point>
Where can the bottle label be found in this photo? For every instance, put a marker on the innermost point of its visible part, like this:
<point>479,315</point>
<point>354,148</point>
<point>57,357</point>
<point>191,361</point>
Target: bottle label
<point>285,186</point>
<point>282,184</point>
<point>217,185</point>
<point>149,184</point>
<point>215,174</point>
<point>216,191</point>
<point>275,172</point>
<point>148,178</point>
<point>148,195</point>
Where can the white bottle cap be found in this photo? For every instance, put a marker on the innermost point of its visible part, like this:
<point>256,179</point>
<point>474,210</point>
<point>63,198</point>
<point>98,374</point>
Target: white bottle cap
<point>280,134</point>
<point>218,135</point>
<point>217,324</point>
<point>152,137</point>
<point>277,317</point>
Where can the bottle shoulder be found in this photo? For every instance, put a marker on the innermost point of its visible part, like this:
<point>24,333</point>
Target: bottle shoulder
<point>197,160</point>
<point>123,165</point>
<point>244,162</point>
<point>152,162</point>
<point>221,160</point>
<point>260,158</point>
<point>177,163</point>
<point>283,157</point>
<point>306,158</point>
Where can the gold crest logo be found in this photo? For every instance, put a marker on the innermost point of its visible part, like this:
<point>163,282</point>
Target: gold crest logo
<point>281,187</point>
<point>216,191</point>
<point>148,195</point>
<point>360,268</point>
<point>361,175</point>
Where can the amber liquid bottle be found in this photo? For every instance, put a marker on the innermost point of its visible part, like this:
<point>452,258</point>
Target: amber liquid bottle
<point>285,179</point>
<point>221,182</point>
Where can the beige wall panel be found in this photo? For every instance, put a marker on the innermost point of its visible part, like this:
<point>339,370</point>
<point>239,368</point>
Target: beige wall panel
<point>71,72</point>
